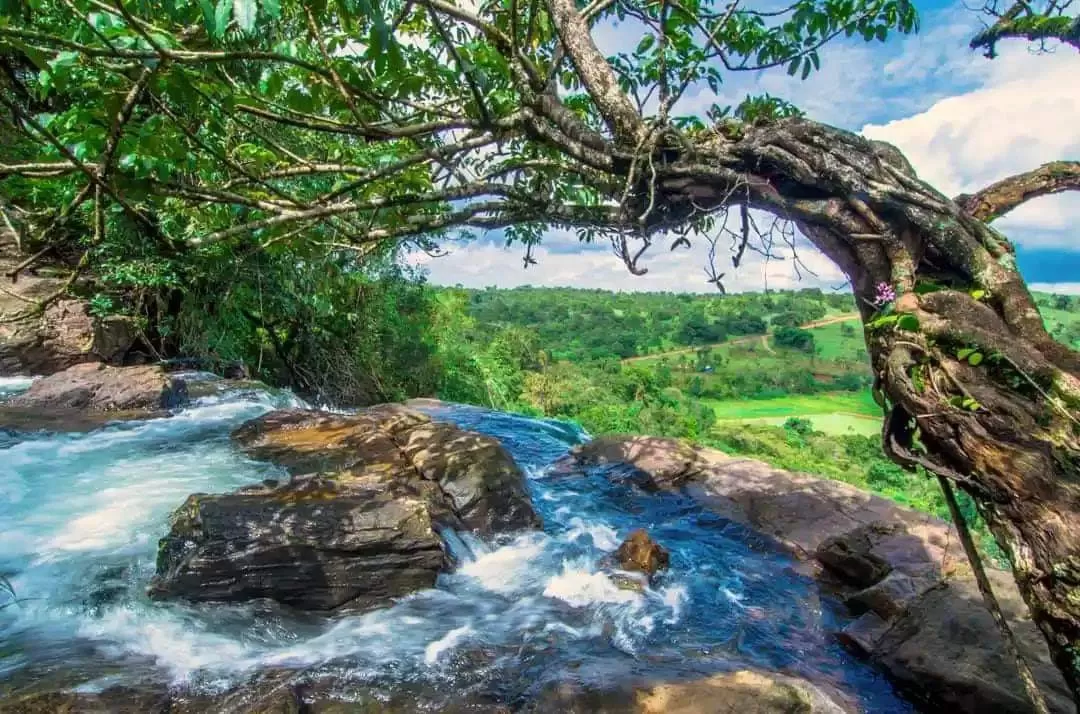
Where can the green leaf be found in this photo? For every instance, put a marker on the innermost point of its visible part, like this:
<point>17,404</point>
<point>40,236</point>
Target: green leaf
<point>272,8</point>
<point>964,352</point>
<point>11,7</point>
<point>908,322</point>
<point>978,294</point>
<point>883,321</point>
<point>793,68</point>
<point>221,17</point>
<point>245,12</point>
<point>975,359</point>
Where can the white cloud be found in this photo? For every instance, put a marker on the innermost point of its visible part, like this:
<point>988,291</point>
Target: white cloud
<point>1057,288</point>
<point>482,264</point>
<point>1019,118</point>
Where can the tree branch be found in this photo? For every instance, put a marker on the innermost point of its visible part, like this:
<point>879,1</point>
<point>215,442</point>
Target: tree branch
<point>1034,28</point>
<point>596,74</point>
<point>999,198</point>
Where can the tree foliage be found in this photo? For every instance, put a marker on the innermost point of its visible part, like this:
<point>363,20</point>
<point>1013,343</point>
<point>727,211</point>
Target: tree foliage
<point>184,125</point>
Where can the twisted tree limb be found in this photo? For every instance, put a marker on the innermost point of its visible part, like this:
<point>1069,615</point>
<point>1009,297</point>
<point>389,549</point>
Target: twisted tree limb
<point>999,198</point>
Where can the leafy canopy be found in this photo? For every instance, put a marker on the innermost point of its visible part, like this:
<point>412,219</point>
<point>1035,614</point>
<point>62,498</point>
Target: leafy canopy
<point>167,126</point>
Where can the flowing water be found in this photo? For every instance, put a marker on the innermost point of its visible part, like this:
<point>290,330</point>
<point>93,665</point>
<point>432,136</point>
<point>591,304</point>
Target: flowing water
<point>80,515</point>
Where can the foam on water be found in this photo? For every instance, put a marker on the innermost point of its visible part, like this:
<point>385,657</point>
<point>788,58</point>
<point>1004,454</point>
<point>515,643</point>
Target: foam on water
<point>82,514</point>
<point>14,385</point>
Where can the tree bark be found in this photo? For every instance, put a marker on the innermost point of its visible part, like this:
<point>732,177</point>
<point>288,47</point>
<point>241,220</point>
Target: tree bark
<point>999,198</point>
<point>974,387</point>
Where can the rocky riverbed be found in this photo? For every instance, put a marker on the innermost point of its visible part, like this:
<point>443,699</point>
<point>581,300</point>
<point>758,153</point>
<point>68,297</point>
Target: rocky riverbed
<point>221,547</point>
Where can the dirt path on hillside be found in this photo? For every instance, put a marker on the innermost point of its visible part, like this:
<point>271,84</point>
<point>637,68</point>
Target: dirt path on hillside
<point>743,340</point>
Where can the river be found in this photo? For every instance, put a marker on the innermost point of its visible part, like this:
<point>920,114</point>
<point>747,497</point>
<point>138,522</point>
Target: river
<point>80,516</point>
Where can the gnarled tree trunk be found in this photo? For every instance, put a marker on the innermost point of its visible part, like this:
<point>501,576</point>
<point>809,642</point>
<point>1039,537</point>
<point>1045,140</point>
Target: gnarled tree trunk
<point>976,390</point>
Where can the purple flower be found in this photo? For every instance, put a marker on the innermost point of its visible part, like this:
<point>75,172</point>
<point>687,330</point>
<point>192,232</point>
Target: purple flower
<point>885,294</point>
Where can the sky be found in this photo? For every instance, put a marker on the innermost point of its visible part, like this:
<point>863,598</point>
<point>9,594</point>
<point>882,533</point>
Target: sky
<point>962,120</point>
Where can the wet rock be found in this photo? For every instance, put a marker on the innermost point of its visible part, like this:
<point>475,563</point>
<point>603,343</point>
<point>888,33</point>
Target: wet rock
<point>864,634</point>
<point>311,544</point>
<point>742,692</point>
<point>668,463</point>
<point>304,441</point>
<point>356,524</point>
<point>466,475</point>
<point>891,596</point>
<point>16,420</point>
<point>65,334</point>
<point>632,582</point>
<point>485,486</point>
<point>97,388</point>
<point>640,552</point>
<point>115,700</point>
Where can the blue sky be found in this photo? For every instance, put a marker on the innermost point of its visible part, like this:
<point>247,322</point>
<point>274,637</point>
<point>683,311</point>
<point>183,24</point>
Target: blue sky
<point>963,121</point>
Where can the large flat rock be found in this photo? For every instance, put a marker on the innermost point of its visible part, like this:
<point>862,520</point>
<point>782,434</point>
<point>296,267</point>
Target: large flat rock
<point>738,692</point>
<point>98,388</point>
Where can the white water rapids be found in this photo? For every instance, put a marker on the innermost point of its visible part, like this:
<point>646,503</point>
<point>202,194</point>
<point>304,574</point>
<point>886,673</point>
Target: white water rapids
<point>80,516</point>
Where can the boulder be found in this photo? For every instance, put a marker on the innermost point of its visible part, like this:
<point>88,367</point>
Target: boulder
<point>304,441</point>
<point>946,649</point>
<point>63,335</point>
<point>311,544</point>
<point>668,463</point>
<point>468,477</point>
<point>740,692</point>
<point>357,522</point>
<point>744,692</point>
<point>852,557</point>
<point>903,573</point>
<point>892,595</point>
<point>486,488</point>
<point>95,387</point>
<point>640,552</point>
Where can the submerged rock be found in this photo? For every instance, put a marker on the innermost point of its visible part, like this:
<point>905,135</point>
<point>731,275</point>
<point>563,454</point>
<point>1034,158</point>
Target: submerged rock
<point>98,388</point>
<point>116,700</point>
<point>356,523</point>
<point>920,615</point>
<point>640,552</point>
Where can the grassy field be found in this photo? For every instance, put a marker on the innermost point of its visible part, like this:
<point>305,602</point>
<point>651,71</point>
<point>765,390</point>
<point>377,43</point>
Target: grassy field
<point>832,413</point>
<point>834,345</point>
<point>1055,319</point>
